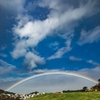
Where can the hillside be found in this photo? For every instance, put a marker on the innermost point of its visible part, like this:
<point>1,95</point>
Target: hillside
<point>6,92</point>
<point>69,96</point>
<point>1,91</point>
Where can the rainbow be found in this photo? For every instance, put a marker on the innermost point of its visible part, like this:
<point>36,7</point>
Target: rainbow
<point>51,73</point>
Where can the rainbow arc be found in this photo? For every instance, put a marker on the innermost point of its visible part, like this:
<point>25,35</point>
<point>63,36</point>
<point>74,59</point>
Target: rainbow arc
<point>50,73</point>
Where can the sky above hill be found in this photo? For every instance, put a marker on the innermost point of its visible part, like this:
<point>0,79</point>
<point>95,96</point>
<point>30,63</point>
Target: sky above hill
<point>38,36</point>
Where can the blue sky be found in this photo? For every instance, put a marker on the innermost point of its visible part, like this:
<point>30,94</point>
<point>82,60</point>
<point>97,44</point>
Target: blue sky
<point>46,35</point>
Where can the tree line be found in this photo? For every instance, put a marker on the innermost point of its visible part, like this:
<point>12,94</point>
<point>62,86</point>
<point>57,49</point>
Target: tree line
<point>85,88</point>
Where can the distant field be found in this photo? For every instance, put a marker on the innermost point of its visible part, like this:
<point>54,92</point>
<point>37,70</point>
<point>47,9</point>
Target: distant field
<point>69,96</point>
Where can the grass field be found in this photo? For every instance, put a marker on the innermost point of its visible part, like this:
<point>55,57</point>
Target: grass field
<point>69,96</point>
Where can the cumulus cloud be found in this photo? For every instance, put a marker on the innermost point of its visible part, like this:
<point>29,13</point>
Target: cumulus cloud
<point>90,36</point>
<point>30,31</point>
<point>74,58</point>
<point>32,59</point>
<point>5,67</point>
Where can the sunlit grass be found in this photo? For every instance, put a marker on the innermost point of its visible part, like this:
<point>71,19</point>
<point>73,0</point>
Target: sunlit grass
<point>69,96</point>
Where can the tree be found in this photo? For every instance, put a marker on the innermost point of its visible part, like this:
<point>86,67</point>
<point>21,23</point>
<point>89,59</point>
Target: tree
<point>99,80</point>
<point>96,87</point>
<point>98,84</point>
<point>85,88</point>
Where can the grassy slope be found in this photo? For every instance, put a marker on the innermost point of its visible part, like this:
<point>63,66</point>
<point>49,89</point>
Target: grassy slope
<point>69,96</point>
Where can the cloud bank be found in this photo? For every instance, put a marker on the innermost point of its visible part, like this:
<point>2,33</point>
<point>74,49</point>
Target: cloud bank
<point>54,83</point>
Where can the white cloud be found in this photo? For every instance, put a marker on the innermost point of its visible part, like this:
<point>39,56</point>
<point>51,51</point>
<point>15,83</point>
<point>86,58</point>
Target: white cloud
<point>3,55</point>
<point>13,6</point>
<point>3,47</point>
<point>5,67</point>
<point>93,63</point>
<point>90,36</point>
<point>74,58</point>
<point>19,50</point>
<point>93,72</point>
<point>54,45</point>
<point>64,5</point>
<point>31,31</point>
<point>10,79</point>
<point>61,51</point>
<point>7,82</point>
<point>32,59</point>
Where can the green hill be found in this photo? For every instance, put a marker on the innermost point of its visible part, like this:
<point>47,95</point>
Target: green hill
<point>69,96</point>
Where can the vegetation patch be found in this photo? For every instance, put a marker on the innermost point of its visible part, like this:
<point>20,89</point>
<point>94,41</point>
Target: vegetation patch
<point>69,96</point>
